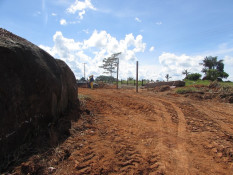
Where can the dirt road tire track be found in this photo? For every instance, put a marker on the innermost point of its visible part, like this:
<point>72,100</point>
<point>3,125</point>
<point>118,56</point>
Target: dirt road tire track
<point>158,130</point>
<point>123,132</point>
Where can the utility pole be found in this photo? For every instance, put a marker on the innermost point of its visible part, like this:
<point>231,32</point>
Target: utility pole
<point>117,72</point>
<point>84,70</point>
<point>137,76</point>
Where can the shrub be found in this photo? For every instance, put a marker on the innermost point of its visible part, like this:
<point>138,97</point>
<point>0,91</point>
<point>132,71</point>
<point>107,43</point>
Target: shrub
<point>194,76</point>
<point>105,78</point>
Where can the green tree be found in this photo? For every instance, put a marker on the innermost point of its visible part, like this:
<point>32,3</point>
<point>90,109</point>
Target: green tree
<point>110,64</point>
<point>213,68</point>
<point>214,74</point>
<point>193,76</point>
<point>167,77</point>
<point>185,72</point>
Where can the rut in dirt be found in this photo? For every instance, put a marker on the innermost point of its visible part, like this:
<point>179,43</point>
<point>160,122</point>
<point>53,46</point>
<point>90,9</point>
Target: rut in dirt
<point>145,133</point>
<point>123,132</point>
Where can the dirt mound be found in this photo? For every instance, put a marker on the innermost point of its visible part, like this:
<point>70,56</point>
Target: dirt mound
<point>222,93</point>
<point>162,88</point>
<point>106,85</point>
<point>36,90</point>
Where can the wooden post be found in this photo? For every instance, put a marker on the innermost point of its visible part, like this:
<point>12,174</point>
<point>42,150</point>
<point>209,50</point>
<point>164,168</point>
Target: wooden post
<point>137,76</point>
<point>84,70</point>
<point>117,72</point>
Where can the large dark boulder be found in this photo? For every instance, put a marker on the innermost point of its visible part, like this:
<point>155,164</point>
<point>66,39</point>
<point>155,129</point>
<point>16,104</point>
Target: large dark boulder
<point>35,91</point>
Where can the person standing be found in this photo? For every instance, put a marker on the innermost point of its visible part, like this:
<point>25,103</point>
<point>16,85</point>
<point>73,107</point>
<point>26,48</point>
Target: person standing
<point>91,81</point>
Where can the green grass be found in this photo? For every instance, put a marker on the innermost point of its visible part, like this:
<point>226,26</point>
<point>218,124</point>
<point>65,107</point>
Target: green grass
<point>202,82</point>
<point>227,84</point>
<point>185,90</point>
<point>205,82</point>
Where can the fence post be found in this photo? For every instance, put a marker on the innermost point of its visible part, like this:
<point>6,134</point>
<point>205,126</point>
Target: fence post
<point>137,76</point>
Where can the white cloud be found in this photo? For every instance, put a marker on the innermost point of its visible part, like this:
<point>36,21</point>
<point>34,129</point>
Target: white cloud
<point>152,49</point>
<point>86,31</point>
<point>101,45</point>
<point>97,39</point>
<point>129,46</point>
<point>80,6</point>
<point>228,60</point>
<point>92,51</point>
<point>81,14</point>
<point>38,13</point>
<point>73,22</point>
<point>63,47</point>
<point>48,49</point>
<point>63,22</point>
<point>223,48</point>
<point>54,14</point>
<point>138,20</point>
<point>159,23</point>
<point>174,64</point>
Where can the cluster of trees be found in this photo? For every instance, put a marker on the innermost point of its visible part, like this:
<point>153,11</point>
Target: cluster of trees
<point>213,69</point>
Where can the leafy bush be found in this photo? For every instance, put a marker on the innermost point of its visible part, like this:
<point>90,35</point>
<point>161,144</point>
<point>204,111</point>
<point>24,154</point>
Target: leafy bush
<point>194,76</point>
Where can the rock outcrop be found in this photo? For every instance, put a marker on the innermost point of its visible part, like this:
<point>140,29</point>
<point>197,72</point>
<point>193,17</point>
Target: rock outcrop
<point>35,91</point>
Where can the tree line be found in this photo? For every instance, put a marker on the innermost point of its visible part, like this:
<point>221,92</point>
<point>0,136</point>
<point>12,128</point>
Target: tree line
<point>213,69</point>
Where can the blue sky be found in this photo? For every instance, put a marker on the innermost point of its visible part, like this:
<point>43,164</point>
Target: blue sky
<point>165,36</point>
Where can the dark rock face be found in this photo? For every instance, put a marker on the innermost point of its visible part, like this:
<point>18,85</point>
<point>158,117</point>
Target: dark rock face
<point>35,90</point>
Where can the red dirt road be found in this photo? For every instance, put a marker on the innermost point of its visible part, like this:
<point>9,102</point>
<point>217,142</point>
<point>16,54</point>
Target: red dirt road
<point>147,133</point>
<point>123,132</point>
